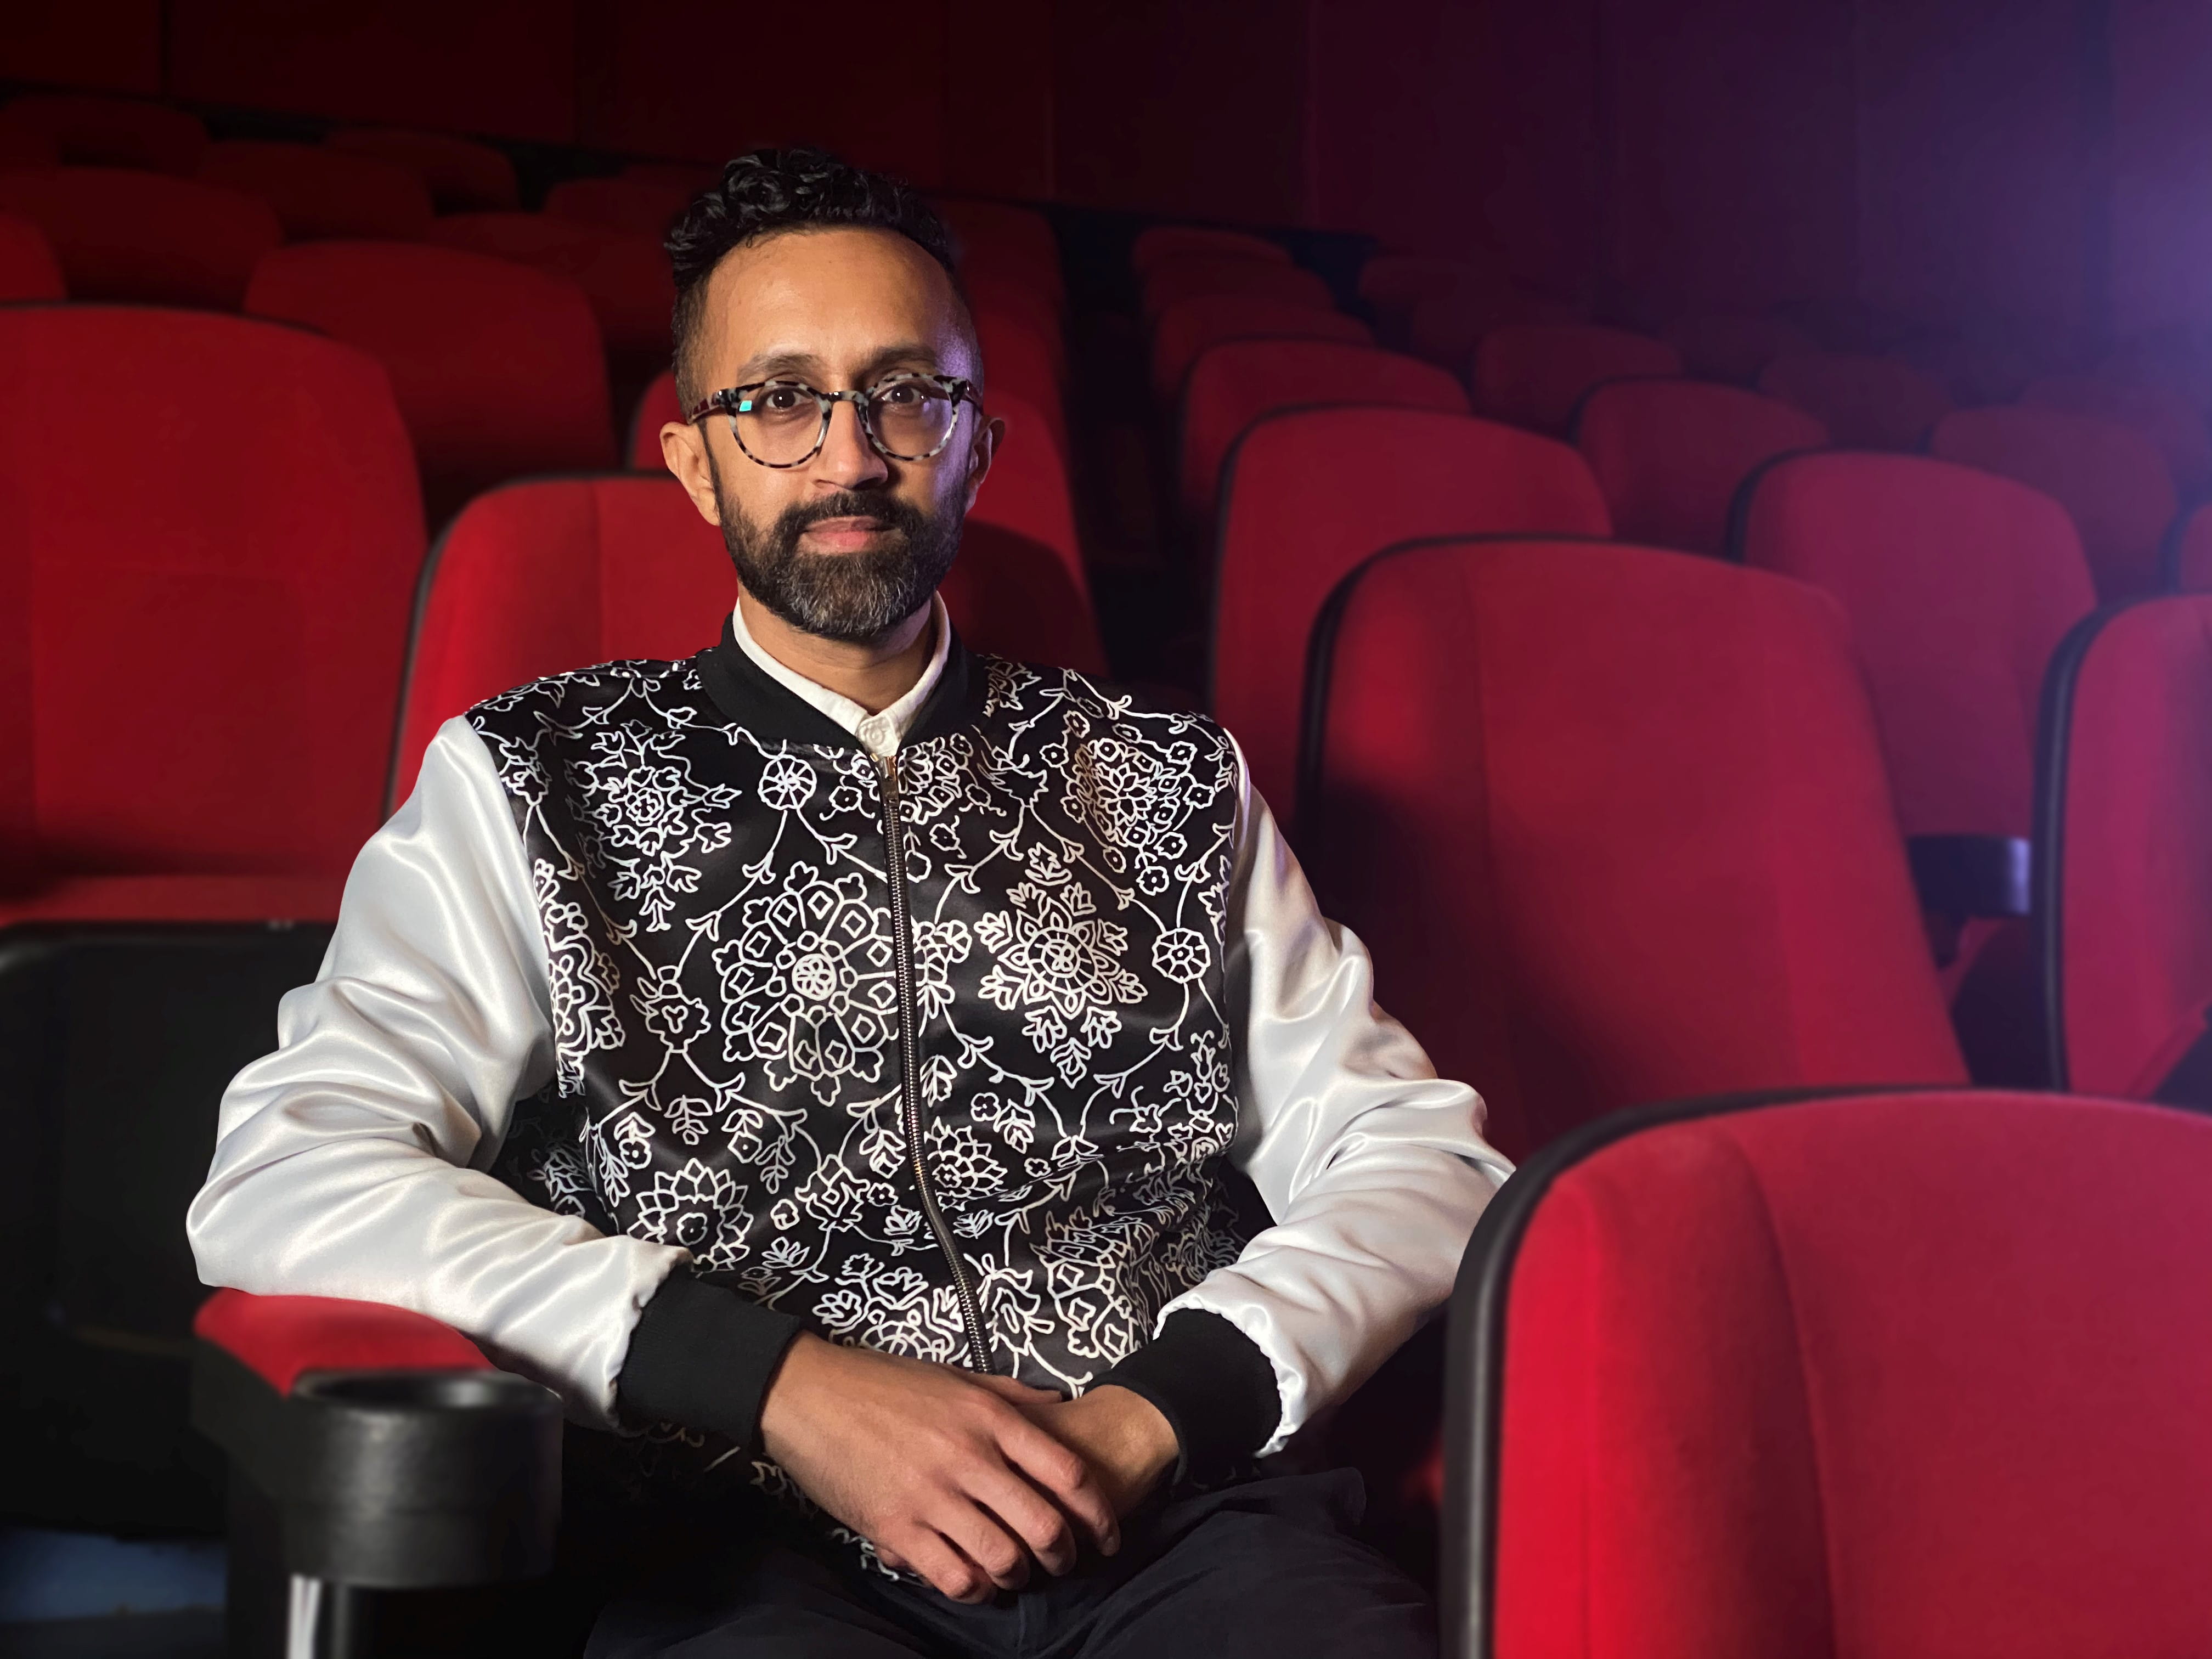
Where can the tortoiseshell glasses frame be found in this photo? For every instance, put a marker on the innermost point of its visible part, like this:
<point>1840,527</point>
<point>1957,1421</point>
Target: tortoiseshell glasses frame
<point>759,400</point>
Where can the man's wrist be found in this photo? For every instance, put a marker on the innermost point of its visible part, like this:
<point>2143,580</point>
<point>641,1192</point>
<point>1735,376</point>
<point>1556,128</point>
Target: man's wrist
<point>1214,1386</point>
<point>703,1356</point>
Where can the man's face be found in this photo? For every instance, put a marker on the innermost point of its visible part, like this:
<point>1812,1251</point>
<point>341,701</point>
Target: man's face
<point>851,543</point>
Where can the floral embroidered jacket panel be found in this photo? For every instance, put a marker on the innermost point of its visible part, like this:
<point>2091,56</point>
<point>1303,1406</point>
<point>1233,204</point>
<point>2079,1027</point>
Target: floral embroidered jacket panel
<point>627,984</point>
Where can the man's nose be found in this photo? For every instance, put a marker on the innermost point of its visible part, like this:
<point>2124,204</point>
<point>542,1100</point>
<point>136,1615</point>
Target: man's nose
<point>847,459</point>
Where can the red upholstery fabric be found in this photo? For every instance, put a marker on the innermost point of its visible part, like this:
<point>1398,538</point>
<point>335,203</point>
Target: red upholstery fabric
<point>29,269</point>
<point>2162,415</point>
<point>1864,1375</point>
<point>283,1338</point>
<point>1397,281</point>
<point>463,177</point>
<point>111,133</point>
<point>1011,301</point>
<point>1640,796</point>
<point>1163,242</point>
<point>23,149</point>
<point>1187,328</point>
<point>199,898</point>
<point>1866,403</point>
<point>624,274</point>
<point>2135,852</point>
<point>317,191</point>
<point>1021,359</point>
<point>646,206</point>
<point>1447,327</point>
<point>1191,275</point>
<point>1233,385</point>
<point>544,576</point>
<point>496,367</point>
<point>1735,349</point>
<point>2192,552</point>
<point>993,239</point>
<point>656,408</point>
<point>2110,477</point>
<point>1959,585</point>
<point>1671,454</point>
<point>215,631</point>
<point>126,235</point>
<point>1312,493</point>
<point>1532,374</point>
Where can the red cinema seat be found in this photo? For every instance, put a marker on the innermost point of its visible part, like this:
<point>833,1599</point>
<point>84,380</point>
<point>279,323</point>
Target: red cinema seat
<point>1446,328</point>
<point>2160,413</point>
<point>657,407</point>
<point>1308,495</point>
<point>213,633</point>
<point>1233,385</point>
<point>1192,275</point>
<point>462,176</point>
<point>141,236</point>
<point>1001,303</point>
<point>1015,244</point>
<point>1159,243</point>
<point>1670,455</point>
<point>321,192</point>
<point>2110,477</point>
<point>110,133</point>
<point>1866,403</point>
<point>25,150</point>
<point>497,369</point>
<point>646,206</point>
<point>1735,349</point>
<point>29,269</point>
<point>1640,796</point>
<point>1397,281</point>
<point>1185,329</point>
<point>624,274</point>
<point>1532,374</point>
<point>1780,1376</point>
<point>2187,563</point>
<point>1020,358</point>
<point>2124,853</point>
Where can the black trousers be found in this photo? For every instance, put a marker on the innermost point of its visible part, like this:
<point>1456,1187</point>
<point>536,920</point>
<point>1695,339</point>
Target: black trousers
<point>1268,1569</point>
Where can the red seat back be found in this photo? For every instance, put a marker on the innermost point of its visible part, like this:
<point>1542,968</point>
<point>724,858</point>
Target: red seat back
<point>1021,359</point>
<point>1640,799</point>
<point>2188,554</point>
<point>497,369</point>
<point>214,630</point>
<point>1445,328</point>
<point>1959,585</point>
<point>1532,374</point>
<point>110,133</point>
<point>1234,385</point>
<point>2161,414</point>
<point>1670,455</point>
<point>462,176</point>
<point>1190,276</point>
<point>1015,244</point>
<point>1783,1381</point>
<point>646,206</point>
<point>317,191</point>
<point>1160,243</point>
<point>141,236</point>
<point>1188,328</point>
<point>29,269</point>
<point>23,150</point>
<point>999,300</point>
<point>1309,495</point>
<point>1735,349</point>
<point>624,274</point>
<point>2110,477</point>
<point>1866,403</point>
<point>2125,832</point>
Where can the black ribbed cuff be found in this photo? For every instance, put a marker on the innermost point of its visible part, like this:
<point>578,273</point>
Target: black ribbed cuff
<point>702,1357</point>
<point>1213,1384</point>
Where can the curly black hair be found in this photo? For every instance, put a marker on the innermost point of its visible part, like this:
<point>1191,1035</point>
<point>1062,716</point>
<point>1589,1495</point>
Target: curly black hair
<point>767,190</point>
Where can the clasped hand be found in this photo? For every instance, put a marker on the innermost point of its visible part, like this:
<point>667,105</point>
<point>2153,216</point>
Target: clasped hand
<point>963,1478</point>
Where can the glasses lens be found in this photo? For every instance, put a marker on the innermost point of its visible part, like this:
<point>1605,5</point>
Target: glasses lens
<point>778,423</point>
<point>912,418</point>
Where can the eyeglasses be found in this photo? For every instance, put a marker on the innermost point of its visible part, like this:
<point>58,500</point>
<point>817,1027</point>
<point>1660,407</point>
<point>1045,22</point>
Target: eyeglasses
<point>784,423</point>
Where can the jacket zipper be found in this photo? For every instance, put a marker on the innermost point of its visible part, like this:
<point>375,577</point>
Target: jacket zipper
<point>971,1316</point>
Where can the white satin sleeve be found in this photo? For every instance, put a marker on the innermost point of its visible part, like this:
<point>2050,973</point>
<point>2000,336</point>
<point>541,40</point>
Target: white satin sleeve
<point>1373,1168</point>
<point>352,1161</point>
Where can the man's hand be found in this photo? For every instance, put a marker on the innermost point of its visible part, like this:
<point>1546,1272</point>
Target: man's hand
<point>942,1471</point>
<point>1122,1435</point>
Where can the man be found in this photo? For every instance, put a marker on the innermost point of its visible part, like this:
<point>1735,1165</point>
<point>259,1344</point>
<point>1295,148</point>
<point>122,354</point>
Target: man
<point>835,1060</point>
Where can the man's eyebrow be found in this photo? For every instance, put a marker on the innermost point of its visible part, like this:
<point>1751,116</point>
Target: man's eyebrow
<point>788,364</point>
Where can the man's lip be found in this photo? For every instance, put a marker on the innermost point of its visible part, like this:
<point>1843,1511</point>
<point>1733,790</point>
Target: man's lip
<point>848,527</point>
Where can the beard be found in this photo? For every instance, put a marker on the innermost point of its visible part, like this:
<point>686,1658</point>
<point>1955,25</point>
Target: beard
<point>854,596</point>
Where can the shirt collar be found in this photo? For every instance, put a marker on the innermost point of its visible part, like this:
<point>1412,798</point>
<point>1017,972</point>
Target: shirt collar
<point>879,733</point>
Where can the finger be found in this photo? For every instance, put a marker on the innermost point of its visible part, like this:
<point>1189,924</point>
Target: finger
<point>1064,1475</point>
<point>978,1535</point>
<point>949,1571</point>
<point>891,1558</point>
<point>1029,1515</point>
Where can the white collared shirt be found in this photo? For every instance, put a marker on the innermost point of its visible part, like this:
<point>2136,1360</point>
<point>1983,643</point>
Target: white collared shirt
<point>879,733</point>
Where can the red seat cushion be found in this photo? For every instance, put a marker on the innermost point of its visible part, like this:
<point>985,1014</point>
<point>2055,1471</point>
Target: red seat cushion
<point>1235,384</point>
<point>215,632</point>
<point>2129,823</point>
<point>1866,403</point>
<point>319,192</point>
<point>497,369</point>
<point>1670,455</point>
<point>1159,243</point>
<point>2110,477</point>
<point>1865,1376</point>
<point>624,274</point>
<point>283,1338</point>
<point>462,176</point>
<point>2161,414</point>
<point>1532,374</point>
<point>1185,329</point>
<point>110,133</point>
<point>121,234</point>
<point>29,269</point>
<point>647,206</point>
<point>1639,796</point>
<point>1310,494</point>
<point>1189,276</point>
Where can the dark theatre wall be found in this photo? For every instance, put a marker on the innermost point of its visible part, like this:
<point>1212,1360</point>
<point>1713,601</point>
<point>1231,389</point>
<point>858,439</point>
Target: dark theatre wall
<point>2047,159</point>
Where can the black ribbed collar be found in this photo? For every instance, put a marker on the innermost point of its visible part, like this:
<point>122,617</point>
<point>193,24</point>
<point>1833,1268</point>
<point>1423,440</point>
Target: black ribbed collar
<point>748,697</point>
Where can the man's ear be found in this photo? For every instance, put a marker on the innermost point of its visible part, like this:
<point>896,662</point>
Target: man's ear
<point>683,448</point>
<point>989,435</point>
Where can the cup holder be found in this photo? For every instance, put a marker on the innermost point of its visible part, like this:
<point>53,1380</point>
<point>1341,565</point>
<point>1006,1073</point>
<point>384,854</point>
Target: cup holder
<point>425,1391</point>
